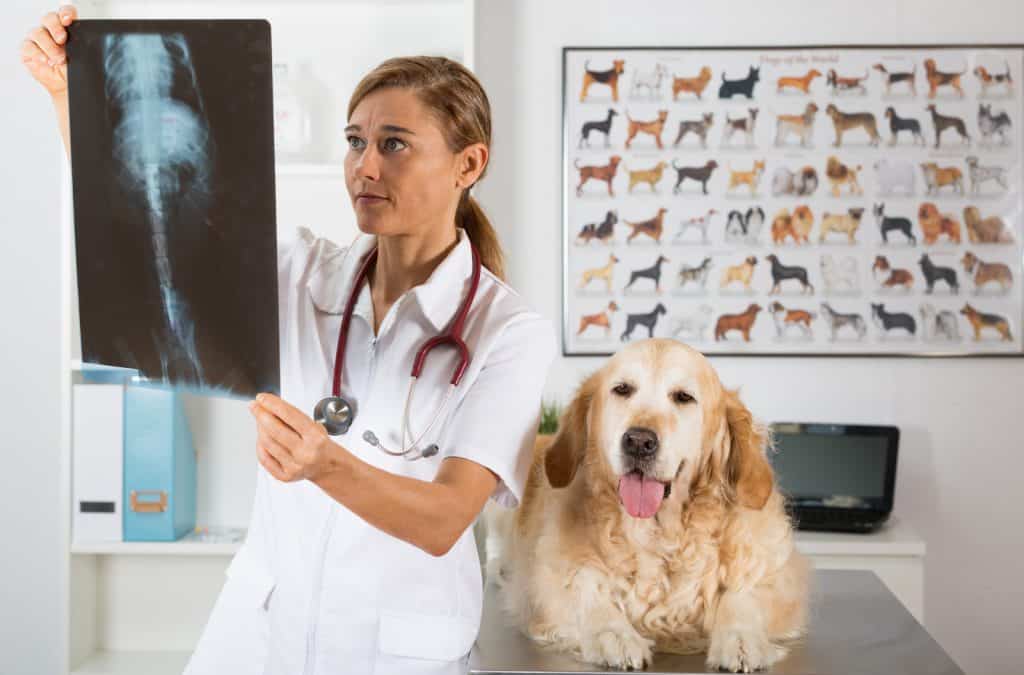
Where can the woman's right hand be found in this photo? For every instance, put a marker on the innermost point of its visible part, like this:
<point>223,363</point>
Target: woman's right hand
<point>43,52</point>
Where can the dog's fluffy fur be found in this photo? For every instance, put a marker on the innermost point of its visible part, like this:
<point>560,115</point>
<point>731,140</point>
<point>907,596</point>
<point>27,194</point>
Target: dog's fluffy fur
<point>714,569</point>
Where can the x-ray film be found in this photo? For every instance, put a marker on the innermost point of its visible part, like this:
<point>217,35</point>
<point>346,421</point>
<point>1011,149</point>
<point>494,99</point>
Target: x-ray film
<point>172,157</point>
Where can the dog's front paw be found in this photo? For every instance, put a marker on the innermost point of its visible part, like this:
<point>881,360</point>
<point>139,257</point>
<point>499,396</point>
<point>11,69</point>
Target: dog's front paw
<point>618,648</point>
<point>742,652</point>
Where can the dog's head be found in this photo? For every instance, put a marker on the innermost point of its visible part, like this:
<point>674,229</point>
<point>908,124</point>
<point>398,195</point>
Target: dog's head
<point>929,65</point>
<point>655,421</point>
<point>619,65</point>
<point>969,261</point>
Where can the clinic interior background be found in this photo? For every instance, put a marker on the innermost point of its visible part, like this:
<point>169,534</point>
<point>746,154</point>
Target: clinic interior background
<point>961,461</point>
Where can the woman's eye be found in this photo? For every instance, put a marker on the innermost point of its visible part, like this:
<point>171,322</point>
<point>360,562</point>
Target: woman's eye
<point>681,397</point>
<point>623,389</point>
<point>393,144</point>
<point>354,142</point>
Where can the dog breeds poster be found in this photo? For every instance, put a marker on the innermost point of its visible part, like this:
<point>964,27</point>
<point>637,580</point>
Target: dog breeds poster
<point>826,200</point>
<point>173,182</point>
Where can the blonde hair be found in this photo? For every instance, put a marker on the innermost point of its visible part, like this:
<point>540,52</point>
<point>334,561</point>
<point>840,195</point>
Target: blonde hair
<point>458,101</point>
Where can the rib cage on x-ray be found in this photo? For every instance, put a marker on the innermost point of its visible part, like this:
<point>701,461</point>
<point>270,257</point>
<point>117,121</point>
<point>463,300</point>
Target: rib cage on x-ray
<point>161,146</point>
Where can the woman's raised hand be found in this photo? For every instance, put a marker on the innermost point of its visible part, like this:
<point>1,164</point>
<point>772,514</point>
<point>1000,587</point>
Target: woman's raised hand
<point>43,52</point>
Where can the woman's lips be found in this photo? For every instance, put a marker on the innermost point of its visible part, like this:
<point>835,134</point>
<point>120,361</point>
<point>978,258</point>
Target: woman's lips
<point>369,199</point>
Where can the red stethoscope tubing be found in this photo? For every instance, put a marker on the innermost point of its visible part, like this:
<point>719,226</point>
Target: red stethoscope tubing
<point>452,336</point>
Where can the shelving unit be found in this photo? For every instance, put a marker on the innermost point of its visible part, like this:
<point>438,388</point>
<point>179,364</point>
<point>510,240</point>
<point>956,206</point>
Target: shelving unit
<point>140,607</point>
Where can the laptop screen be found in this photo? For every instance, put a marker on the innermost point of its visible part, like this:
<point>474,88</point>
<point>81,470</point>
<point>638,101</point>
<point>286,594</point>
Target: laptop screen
<point>835,465</point>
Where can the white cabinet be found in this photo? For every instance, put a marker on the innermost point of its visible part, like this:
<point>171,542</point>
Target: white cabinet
<point>132,607</point>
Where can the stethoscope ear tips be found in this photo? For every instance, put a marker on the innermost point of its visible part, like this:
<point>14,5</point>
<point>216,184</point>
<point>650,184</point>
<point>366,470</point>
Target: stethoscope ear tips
<point>370,438</point>
<point>430,450</point>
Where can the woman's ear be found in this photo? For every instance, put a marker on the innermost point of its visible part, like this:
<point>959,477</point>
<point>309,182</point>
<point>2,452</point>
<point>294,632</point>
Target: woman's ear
<point>566,452</point>
<point>748,470</point>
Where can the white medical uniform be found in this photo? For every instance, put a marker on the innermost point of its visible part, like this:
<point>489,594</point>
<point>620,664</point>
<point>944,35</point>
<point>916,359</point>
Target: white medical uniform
<point>317,590</point>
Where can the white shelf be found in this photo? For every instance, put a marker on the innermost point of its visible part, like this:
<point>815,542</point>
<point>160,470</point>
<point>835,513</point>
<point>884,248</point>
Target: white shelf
<point>131,663</point>
<point>894,539</point>
<point>189,548</point>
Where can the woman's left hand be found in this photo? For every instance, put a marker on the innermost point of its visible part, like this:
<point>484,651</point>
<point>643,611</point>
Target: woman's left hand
<point>289,444</point>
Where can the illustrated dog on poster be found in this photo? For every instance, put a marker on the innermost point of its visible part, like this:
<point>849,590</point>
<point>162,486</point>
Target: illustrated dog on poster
<point>749,178</point>
<point>648,320</point>
<point>840,174</point>
<point>698,128</point>
<point>691,85</point>
<point>894,175</point>
<point>888,322</point>
<point>934,273</point>
<point>982,320</point>
<point>694,324</point>
<point>934,224</point>
<point>609,78</point>
<point>699,223</point>
<point>937,177</point>
<point>788,318</point>
<point>651,176</point>
<point>938,325</point>
<point>743,322</point>
<point>742,273</point>
<point>604,273</point>
<point>603,231</point>
<point>781,273</point>
<point>699,174</point>
<point>597,126</point>
<point>744,227</point>
<point>907,124</point>
<point>983,273</point>
<point>796,226</point>
<point>740,125</point>
<point>993,124</point>
<point>841,223</point>
<point>943,122</point>
<point>604,173</point>
<point>697,274</point>
<point>843,122</point>
<point>841,84</point>
<point>991,230</point>
<point>653,273</point>
<point>801,83</point>
<point>800,183</point>
<point>889,277</point>
<point>653,127</point>
<point>602,319</point>
<point>938,78</point>
<point>841,276</point>
<point>837,320</point>
<point>989,80</point>
<point>888,224</point>
<point>744,87</point>
<point>980,173</point>
<point>801,126</point>
<point>652,227</point>
<point>892,78</point>
<point>650,80</point>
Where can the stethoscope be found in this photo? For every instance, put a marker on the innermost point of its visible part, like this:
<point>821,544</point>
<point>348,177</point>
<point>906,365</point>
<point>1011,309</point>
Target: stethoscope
<point>336,412</point>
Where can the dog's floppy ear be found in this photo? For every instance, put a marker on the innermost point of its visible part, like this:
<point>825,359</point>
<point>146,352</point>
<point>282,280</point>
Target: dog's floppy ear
<point>565,454</point>
<point>748,470</point>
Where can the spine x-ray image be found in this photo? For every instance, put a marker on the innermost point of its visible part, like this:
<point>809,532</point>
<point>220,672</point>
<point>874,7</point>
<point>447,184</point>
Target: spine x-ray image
<point>172,166</point>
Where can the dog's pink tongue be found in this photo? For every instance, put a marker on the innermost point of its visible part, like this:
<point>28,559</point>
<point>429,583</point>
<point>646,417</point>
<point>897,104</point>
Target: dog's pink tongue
<point>640,495</point>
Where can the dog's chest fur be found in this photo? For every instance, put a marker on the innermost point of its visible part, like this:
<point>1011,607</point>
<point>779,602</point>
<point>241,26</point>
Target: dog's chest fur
<point>669,581</point>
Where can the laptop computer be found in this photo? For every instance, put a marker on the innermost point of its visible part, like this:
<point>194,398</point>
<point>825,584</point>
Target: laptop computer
<point>836,477</point>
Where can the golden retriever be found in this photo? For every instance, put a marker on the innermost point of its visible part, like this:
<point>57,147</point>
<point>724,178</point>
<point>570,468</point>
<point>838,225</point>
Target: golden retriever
<point>651,522</point>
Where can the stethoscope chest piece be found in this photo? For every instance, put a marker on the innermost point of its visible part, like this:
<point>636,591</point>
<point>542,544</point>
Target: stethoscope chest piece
<point>335,413</point>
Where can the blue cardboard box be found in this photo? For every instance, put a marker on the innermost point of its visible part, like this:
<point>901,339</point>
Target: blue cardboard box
<point>159,465</point>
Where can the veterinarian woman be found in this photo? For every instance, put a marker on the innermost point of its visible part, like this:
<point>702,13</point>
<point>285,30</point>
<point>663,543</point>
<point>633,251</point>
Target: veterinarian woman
<point>360,561</point>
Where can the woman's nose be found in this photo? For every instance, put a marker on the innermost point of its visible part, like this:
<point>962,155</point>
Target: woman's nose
<point>368,163</point>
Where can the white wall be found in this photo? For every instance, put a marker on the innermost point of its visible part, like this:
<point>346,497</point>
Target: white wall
<point>31,572</point>
<point>962,457</point>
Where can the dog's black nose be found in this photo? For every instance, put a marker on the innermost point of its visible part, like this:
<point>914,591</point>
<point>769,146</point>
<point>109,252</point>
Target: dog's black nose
<point>639,442</point>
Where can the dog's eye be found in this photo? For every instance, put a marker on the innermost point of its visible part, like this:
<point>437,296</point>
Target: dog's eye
<point>623,389</point>
<point>681,397</point>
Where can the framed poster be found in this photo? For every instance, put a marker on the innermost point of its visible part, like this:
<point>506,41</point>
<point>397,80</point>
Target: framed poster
<point>172,162</point>
<point>832,200</point>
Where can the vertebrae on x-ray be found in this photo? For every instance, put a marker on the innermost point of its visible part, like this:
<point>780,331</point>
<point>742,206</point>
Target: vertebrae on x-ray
<point>162,144</point>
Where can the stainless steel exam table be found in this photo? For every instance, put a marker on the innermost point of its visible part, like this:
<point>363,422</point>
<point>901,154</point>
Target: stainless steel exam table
<point>857,627</point>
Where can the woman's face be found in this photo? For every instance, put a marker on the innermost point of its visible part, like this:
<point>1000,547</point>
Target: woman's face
<point>400,174</point>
